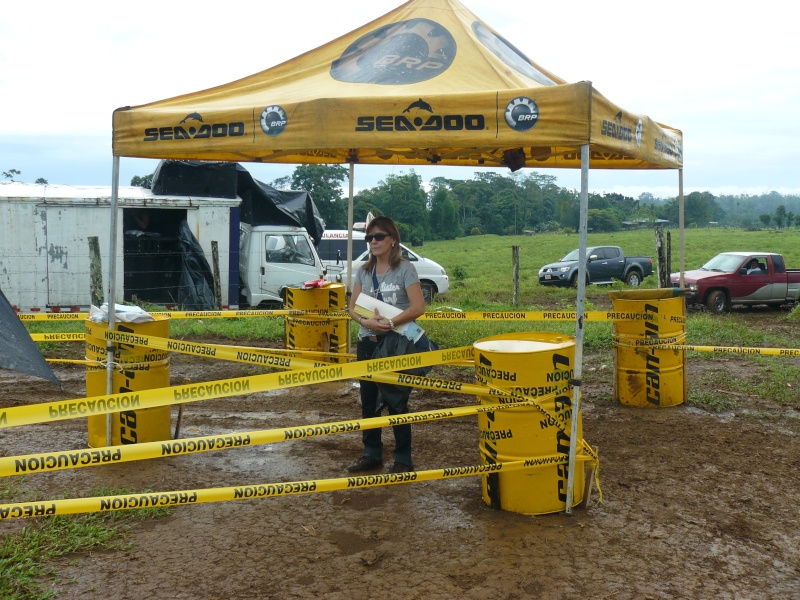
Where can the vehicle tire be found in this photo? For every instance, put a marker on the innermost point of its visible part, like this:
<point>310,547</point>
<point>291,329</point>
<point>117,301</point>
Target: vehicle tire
<point>717,302</point>
<point>428,290</point>
<point>574,281</point>
<point>633,278</point>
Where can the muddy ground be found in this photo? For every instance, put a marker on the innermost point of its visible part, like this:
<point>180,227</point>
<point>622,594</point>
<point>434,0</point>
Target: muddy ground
<point>695,504</point>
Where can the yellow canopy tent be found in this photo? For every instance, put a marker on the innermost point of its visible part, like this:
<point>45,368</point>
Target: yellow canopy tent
<point>427,83</point>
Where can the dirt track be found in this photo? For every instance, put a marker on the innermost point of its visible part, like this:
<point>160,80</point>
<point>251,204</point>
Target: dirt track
<point>695,505</point>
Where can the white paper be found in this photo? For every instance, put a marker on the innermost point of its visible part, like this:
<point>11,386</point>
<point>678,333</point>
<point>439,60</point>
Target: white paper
<point>122,313</point>
<point>366,305</point>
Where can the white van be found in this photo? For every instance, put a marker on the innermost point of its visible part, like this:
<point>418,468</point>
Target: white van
<point>332,250</point>
<point>271,259</point>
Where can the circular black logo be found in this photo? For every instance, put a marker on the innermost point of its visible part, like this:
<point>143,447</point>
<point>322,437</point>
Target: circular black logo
<point>273,120</point>
<point>521,113</point>
<point>397,54</point>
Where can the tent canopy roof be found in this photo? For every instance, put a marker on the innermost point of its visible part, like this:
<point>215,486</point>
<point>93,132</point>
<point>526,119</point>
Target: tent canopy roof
<point>427,83</point>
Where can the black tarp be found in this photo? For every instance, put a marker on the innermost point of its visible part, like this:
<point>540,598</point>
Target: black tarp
<point>196,287</point>
<point>18,352</point>
<point>195,178</point>
<point>261,204</point>
<point>264,205</point>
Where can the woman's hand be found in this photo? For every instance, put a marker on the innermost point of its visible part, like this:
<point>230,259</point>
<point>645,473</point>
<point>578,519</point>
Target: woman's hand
<point>378,323</point>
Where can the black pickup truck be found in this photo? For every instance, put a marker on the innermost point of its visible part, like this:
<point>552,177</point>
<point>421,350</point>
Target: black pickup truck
<point>604,264</point>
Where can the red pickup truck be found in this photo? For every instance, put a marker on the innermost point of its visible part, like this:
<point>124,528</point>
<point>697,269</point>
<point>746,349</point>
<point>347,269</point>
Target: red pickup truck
<point>741,278</point>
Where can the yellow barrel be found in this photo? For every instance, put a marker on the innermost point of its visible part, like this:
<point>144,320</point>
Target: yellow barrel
<point>537,365</point>
<point>643,375</point>
<point>139,368</point>
<point>324,333</point>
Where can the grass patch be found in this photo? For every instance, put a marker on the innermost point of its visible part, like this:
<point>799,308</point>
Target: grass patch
<point>775,380</point>
<point>717,403</point>
<point>24,555</point>
<point>722,330</point>
<point>767,378</point>
<point>241,329</point>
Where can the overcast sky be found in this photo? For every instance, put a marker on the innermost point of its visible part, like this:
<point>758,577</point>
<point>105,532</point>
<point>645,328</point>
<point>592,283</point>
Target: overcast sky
<point>725,73</point>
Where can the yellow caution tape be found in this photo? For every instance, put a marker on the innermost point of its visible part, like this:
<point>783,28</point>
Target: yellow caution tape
<point>379,370</point>
<point>268,357</point>
<point>58,316</point>
<point>263,490</point>
<point>59,337</point>
<point>550,315</point>
<point>74,459</point>
<point>138,400</point>
<point>178,314</point>
<point>86,362</point>
<point>716,349</point>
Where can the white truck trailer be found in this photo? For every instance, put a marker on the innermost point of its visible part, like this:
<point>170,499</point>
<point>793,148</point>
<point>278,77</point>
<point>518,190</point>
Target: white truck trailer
<point>45,258</point>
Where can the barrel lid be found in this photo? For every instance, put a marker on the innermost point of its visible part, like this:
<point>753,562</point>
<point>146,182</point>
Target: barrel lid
<point>520,346</point>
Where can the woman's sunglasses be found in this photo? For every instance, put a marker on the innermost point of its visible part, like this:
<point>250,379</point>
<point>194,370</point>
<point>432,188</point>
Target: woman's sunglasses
<point>376,236</point>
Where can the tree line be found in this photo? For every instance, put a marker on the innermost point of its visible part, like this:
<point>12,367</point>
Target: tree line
<point>521,202</point>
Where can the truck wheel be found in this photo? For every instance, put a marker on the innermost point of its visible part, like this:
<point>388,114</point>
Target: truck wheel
<point>574,281</point>
<point>717,302</point>
<point>633,278</point>
<point>428,290</point>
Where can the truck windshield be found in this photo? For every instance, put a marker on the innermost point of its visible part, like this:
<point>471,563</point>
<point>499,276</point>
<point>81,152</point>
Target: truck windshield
<point>726,263</point>
<point>287,248</point>
<point>576,253</point>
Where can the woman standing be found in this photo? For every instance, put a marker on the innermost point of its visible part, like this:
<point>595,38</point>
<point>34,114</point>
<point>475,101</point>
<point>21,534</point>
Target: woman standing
<point>392,279</point>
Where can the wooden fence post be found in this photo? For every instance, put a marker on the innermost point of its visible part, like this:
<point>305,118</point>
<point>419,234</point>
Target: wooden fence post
<point>515,267</point>
<point>95,272</point>
<point>661,259</point>
<point>215,263</point>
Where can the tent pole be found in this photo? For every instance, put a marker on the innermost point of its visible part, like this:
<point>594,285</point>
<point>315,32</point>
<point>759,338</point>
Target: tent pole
<point>349,278</point>
<point>576,381</point>
<point>351,177</point>
<point>112,284</point>
<point>680,221</point>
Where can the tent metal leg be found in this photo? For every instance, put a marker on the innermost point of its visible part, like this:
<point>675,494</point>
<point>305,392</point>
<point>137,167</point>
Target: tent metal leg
<point>576,398</point>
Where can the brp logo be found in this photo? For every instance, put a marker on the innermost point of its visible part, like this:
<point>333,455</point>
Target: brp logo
<point>273,120</point>
<point>522,114</point>
<point>397,54</point>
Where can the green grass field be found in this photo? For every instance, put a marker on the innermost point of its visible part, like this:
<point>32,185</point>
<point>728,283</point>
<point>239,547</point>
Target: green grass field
<point>480,272</point>
<point>480,267</point>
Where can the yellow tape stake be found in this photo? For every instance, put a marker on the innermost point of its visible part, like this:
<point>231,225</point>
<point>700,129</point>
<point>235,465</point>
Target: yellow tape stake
<point>264,490</point>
